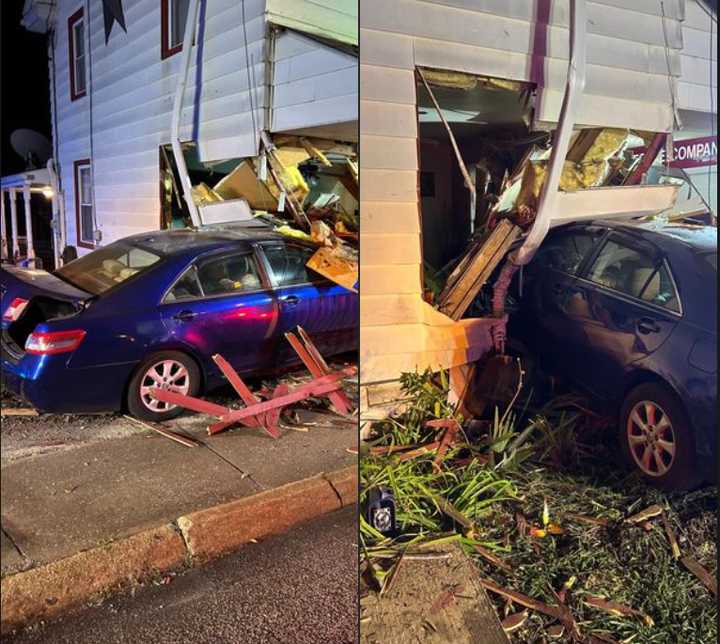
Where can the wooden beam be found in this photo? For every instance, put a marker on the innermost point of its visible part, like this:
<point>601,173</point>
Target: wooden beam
<point>475,269</point>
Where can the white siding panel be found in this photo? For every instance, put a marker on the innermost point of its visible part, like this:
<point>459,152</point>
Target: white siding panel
<point>560,9</point>
<point>313,84</point>
<point>333,19</point>
<point>495,31</point>
<point>697,89</point>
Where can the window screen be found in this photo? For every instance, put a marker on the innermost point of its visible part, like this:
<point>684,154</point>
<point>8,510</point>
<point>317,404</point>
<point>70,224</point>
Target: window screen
<point>84,203</point>
<point>178,16</point>
<point>79,42</point>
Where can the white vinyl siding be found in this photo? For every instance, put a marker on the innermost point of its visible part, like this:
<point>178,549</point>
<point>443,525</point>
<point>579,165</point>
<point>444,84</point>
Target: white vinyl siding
<point>130,90</point>
<point>698,80</point>
<point>313,84</point>
<point>330,19</point>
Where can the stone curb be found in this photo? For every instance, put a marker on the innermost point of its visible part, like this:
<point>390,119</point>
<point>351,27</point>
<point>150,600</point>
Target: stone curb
<point>51,590</point>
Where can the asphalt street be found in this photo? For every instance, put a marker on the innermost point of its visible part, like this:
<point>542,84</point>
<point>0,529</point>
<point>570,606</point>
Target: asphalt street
<point>296,588</point>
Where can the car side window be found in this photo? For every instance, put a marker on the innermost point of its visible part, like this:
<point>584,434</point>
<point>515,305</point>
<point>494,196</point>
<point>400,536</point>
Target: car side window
<point>565,252</point>
<point>287,263</point>
<point>186,288</point>
<point>632,272</point>
<point>660,290</point>
<point>229,274</point>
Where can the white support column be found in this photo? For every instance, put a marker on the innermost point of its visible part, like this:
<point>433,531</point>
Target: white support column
<point>13,223</point>
<point>28,226</point>
<point>3,239</point>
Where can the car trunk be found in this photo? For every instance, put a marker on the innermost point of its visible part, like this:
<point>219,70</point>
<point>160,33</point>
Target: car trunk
<point>47,296</point>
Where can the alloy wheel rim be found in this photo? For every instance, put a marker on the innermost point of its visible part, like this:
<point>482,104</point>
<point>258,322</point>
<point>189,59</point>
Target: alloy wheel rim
<point>651,438</point>
<point>165,374</point>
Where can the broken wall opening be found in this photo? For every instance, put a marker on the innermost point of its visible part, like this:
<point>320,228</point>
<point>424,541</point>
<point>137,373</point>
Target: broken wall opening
<point>304,188</point>
<point>482,170</point>
<point>490,120</point>
<point>306,180</point>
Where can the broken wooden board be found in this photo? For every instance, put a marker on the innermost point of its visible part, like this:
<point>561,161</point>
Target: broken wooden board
<point>475,269</point>
<point>18,411</point>
<point>435,601</point>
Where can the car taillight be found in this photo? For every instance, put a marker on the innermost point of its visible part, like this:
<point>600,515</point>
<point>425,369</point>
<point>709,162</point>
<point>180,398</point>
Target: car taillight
<point>14,311</point>
<point>49,343</point>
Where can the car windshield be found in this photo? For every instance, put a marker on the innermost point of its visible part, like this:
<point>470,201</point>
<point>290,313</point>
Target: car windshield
<point>101,270</point>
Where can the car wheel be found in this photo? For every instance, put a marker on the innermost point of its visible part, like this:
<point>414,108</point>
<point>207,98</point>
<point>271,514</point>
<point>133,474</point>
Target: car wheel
<point>168,370</point>
<point>657,439</point>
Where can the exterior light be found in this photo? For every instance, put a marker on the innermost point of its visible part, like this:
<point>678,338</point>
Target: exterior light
<point>48,193</point>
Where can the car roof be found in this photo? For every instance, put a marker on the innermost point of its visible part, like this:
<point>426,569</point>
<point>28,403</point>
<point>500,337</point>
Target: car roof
<point>666,235</point>
<point>186,241</point>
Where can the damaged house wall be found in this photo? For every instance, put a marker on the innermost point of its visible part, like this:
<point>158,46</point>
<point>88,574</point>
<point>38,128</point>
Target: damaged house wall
<point>125,115</point>
<point>630,75</point>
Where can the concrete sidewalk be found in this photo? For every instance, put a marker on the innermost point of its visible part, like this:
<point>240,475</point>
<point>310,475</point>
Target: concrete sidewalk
<point>63,502</point>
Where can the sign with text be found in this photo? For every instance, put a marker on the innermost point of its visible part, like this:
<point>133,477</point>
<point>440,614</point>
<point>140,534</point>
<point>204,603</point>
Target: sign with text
<point>694,153</point>
<point>689,153</point>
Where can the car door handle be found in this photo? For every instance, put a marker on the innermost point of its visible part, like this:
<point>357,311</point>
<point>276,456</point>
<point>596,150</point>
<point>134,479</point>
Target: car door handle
<point>647,326</point>
<point>290,300</point>
<point>184,316</point>
<point>557,289</point>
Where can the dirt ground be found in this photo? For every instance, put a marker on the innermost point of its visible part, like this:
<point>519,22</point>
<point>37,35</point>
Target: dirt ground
<point>431,600</point>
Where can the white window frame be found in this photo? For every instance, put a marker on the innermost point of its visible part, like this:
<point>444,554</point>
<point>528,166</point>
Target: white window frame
<point>79,167</point>
<point>77,62</point>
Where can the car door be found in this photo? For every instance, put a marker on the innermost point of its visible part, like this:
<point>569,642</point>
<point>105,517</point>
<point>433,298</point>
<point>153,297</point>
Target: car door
<point>631,306</point>
<point>223,304</point>
<point>327,311</point>
<point>548,301</point>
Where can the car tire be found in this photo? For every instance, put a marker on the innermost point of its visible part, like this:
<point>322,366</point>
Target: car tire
<point>656,438</point>
<point>172,369</point>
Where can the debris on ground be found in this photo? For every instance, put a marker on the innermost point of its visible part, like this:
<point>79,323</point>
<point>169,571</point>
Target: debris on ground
<point>555,526</point>
<point>266,413</point>
<point>187,441</point>
<point>17,411</point>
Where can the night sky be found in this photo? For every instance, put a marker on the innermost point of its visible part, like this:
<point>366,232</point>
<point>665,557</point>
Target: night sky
<point>25,89</point>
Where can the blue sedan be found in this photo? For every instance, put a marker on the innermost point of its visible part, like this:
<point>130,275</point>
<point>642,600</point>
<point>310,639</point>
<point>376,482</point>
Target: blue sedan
<point>151,310</point>
<point>628,313</point>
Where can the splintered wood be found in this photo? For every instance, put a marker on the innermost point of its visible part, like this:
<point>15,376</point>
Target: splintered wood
<point>475,269</point>
<point>266,413</point>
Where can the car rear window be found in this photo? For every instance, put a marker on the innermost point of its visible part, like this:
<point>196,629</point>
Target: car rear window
<point>104,268</point>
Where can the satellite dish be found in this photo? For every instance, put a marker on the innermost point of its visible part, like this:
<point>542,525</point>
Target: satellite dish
<point>31,146</point>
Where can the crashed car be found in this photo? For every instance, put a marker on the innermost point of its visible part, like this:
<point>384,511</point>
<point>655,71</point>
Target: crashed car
<point>627,312</point>
<point>152,309</point>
